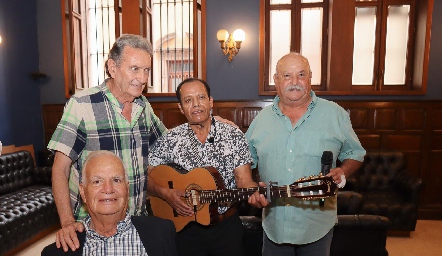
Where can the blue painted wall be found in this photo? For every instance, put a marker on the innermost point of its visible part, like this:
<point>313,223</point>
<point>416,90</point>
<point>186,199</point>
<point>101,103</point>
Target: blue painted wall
<point>31,31</point>
<point>20,106</point>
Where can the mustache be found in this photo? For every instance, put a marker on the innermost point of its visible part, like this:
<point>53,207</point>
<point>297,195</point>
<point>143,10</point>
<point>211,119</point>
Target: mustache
<point>293,87</point>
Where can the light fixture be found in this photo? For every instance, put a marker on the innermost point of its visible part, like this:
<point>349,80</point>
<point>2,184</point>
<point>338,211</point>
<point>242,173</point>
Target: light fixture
<point>230,44</point>
<point>0,39</point>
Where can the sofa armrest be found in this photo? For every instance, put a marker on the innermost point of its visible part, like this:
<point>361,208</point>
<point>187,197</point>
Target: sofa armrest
<point>349,202</point>
<point>362,235</point>
<point>363,221</point>
<point>43,175</point>
<point>46,158</point>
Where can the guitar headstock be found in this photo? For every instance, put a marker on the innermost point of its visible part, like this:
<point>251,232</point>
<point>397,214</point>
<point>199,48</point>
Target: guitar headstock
<point>307,188</point>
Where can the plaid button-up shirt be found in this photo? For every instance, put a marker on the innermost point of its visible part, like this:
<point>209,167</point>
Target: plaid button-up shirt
<point>126,242</point>
<point>91,121</point>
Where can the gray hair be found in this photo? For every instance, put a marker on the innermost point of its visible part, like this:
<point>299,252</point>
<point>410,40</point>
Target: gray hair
<point>95,154</point>
<point>134,41</point>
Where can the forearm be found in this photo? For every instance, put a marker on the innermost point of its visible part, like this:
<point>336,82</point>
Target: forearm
<point>243,177</point>
<point>349,166</point>
<point>153,188</point>
<point>60,188</point>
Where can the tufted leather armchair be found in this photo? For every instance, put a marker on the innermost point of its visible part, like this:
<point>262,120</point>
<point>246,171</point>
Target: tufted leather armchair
<point>354,234</point>
<point>387,190</point>
<point>358,234</point>
<point>27,206</point>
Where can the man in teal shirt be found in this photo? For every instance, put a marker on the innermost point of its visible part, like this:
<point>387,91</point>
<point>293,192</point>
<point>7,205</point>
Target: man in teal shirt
<point>287,140</point>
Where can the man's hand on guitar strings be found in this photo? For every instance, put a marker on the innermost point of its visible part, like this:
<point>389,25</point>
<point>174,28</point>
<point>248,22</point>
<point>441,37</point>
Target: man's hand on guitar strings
<point>258,200</point>
<point>176,199</point>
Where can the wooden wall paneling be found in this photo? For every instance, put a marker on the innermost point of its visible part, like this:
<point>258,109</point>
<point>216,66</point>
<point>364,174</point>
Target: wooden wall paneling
<point>360,118</point>
<point>414,128</point>
<point>402,142</point>
<point>248,114</point>
<point>371,142</point>
<point>52,114</point>
<point>385,119</point>
<point>159,113</point>
<point>174,117</point>
<point>431,197</point>
<point>412,119</point>
<point>229,113</point>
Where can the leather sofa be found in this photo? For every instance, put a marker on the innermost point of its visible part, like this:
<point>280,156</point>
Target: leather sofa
<point>354,234</point>
<point>27,206</point>
<point>387,189</point>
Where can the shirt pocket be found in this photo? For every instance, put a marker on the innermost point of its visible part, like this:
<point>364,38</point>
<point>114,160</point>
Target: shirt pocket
<point>314,143</point>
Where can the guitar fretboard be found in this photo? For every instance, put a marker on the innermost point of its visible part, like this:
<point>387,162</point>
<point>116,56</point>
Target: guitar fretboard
<point>313,189</point>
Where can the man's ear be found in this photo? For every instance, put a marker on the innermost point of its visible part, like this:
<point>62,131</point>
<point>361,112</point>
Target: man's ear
<point>82,193</point>
<point>211,102</point>
<point>181,109</point>
<point>111,66</point>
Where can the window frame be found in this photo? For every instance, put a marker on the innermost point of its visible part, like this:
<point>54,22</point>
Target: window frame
<point>337,81</point>
<point>130,17</point>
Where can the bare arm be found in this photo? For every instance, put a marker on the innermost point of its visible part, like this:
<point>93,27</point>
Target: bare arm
<point>66,236</point>
<point>243,178</point>
<point>172,196</point>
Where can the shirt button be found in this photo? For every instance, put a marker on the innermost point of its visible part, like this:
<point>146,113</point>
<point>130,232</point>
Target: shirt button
<point>290,151</point>
<point>289,169</point>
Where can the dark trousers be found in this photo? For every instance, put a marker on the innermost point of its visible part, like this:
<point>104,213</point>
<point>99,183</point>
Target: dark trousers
<point>318,248</point>
<point>224,238</point>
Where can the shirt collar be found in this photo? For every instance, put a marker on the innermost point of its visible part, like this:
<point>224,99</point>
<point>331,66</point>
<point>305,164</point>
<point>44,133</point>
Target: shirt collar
<point>122,226</point>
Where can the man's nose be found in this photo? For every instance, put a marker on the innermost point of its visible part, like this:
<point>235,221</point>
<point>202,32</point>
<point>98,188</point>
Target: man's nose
<point>142,76</point>
<point>107,186</point>
<point>196,103</point>
<point>294,79</point>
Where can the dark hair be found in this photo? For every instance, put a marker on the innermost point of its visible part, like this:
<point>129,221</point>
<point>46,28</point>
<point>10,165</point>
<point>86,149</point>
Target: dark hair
<point>134,41</point>
<point>188,80</point>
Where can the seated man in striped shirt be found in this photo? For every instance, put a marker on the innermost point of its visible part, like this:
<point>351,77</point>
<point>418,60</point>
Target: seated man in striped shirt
<point>110,230</point>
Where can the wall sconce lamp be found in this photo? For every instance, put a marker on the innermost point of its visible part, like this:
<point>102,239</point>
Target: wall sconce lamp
<point>0,39</point>
<point>230,44</point>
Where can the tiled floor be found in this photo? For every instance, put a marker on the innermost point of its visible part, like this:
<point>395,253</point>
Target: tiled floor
<point>426,240</point>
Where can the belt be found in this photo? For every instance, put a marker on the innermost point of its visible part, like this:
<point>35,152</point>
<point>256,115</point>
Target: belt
<point>220,217</point>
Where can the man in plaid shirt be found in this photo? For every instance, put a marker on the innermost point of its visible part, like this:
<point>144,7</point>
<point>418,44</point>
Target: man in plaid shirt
<point>113,116</point>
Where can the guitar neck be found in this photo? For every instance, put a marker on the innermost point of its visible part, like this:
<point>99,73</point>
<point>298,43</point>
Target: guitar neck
<point>310,191</point>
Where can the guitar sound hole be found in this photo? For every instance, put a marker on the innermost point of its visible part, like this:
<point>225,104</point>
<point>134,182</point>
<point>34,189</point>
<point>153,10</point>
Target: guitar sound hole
<point>194,198</point>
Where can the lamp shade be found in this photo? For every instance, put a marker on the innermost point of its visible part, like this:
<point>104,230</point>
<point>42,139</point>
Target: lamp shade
<point>239,35</point>
<point>222,35</point>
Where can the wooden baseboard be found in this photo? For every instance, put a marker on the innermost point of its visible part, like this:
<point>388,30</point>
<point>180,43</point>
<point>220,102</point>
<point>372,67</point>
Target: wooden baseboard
<point>430,214</point>
<point>32,240</point>
<point>398,233</point>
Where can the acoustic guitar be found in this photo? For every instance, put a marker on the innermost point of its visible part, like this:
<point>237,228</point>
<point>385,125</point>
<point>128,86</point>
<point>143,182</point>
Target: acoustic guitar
<point>205,188</point>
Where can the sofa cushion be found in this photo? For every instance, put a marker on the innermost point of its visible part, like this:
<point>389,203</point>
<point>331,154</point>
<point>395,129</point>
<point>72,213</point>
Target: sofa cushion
<point>16,171</point>
<point>24,214</point>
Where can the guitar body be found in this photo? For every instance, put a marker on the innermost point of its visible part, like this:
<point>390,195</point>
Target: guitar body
<point>196,179</point>
<point>205,188</point>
